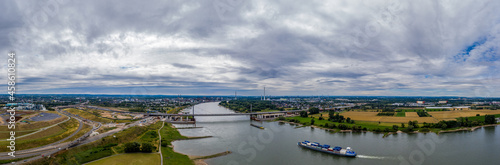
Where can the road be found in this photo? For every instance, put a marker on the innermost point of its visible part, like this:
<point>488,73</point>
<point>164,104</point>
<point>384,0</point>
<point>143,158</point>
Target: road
<point>41,129</point>
<point>40,150</point>
<point>52,148</point>
<point>85,139</point>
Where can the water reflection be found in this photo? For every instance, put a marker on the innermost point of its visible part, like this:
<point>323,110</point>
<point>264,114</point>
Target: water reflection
<point>481,146</point>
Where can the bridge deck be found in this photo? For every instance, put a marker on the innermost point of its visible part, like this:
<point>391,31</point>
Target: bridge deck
<point>221,114</point>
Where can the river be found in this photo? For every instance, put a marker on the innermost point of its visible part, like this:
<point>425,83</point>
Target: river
<point>277,143</point>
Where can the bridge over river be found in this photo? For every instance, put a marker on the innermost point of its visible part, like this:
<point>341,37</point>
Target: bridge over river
<point>222,114</point>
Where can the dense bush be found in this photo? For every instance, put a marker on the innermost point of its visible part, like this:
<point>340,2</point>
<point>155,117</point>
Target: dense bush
<point>489,119</point>
<point>395,127</point>
<point>343,127</point>
<point>132,147</point>
<point>387,110</point>
<point>147,147</point>
<point>313,110</point>
<point>425,130</point>
<point>422,114</point>
<point>335,117</point>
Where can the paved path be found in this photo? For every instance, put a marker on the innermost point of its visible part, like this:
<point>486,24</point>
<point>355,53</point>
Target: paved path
<point>161,156</point>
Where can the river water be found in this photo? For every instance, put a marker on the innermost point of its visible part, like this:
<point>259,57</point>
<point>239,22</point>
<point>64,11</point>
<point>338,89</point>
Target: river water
<point>277,143</point>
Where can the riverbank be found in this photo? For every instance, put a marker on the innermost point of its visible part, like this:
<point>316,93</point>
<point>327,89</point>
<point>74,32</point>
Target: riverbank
<point>314,126</point>
<point>469,128</point>
<point>200,160</point>
<point>176,136</point>
<point>169,134</point>
<point>335,130</point>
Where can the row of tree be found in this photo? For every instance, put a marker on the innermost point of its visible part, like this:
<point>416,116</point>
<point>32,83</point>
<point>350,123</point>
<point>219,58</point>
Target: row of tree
<point>423,114</point>
<point>385,114</point>
<point>245,105</point>
<point>345,127</point>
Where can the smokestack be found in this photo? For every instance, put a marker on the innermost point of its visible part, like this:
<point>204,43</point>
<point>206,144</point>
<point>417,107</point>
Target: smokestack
<point>264,92</point>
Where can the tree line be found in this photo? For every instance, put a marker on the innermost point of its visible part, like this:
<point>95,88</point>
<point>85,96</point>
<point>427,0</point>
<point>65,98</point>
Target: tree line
<point>244,105</point>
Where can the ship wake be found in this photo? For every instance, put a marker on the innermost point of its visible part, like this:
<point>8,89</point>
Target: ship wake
<point>374,157</point>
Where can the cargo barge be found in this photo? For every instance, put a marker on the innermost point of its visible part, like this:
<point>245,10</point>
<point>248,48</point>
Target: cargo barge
<point>327,149</point>
<point>256,126</point>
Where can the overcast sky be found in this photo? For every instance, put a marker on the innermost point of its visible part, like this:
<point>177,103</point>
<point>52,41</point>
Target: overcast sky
<point>207,47</point>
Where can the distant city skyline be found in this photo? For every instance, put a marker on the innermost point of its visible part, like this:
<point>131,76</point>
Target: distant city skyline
<point>310,48</point>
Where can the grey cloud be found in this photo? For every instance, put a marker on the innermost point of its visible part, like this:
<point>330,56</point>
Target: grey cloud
<point>280,42</point>
<point>183,65</point>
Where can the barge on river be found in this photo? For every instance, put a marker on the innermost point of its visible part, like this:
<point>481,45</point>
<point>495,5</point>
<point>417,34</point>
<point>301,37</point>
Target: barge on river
<point>327,149</point>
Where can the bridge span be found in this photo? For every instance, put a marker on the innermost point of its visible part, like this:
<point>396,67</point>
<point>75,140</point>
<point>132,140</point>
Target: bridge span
<point>222,114</point>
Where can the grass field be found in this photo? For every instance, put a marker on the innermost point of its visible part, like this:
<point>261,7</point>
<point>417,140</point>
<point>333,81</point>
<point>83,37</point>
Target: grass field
<point>481,118</point>
<point>6,134</point>
<point>129,159</point>
<point>368,124</point>
<point>268,110</point>
<point>85,128</point>
<point>400,114</point>
<point>169,134</point>
<point>105,147</point>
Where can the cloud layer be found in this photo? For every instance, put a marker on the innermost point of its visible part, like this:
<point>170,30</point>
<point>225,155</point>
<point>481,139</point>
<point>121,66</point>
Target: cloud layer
<point>425,48</point>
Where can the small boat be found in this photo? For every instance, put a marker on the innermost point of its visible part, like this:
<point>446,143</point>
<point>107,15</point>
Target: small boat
<point>254,118</point>
<point>327,149</point>
<point>260,127</point>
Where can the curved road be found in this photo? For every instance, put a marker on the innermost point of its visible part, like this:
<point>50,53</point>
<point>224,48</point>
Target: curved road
<point>39,150</point>
<point>52,148</point>
<point>41,129</point>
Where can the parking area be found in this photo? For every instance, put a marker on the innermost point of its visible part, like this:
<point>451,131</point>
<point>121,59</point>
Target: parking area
<point>44,117</point>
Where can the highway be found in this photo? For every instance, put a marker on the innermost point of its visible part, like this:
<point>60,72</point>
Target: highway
<point>53,147</point>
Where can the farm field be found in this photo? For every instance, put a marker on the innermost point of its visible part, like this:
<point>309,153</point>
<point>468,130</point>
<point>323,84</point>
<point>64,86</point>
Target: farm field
<point>372,116</point>
<point>408,110</point>
<point>131,158</point>
<point>452,115</point>
<point>411,114</point>
<point>405,116</point>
